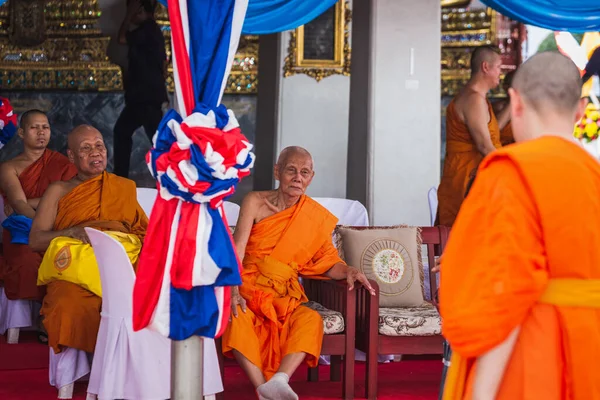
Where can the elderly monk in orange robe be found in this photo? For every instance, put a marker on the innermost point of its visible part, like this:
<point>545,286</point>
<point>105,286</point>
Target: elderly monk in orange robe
<point>520,278</point>
<point>23,181</point>
<point>472,132</point>
<point>280,235</point>
<point>94,198</point>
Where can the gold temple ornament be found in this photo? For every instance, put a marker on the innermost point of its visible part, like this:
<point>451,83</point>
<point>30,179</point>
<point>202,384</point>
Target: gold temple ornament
<point>54,44</point>
<point>299,62</point>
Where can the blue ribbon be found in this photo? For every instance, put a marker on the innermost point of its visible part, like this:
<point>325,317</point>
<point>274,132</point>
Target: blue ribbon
<point>19,227</point>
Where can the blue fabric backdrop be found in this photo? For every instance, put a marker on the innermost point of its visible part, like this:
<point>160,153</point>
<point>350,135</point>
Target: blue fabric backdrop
<point>272,16</point>
<point>557,15</point>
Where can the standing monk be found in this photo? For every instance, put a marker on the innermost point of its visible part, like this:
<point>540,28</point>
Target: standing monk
<point>506,133</point>
<point>23,181</point>
<point>521,271</point>
<point>93,198</point>
<point>472,132</point>
<point>281,234</point>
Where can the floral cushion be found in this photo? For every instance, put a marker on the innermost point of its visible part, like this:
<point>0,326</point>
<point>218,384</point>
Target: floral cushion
<point>333,321</point>
<point>410,321</point>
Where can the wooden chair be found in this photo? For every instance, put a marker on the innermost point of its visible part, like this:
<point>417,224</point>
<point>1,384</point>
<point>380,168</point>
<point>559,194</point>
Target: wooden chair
<point>334,297</point>
<point>368,336</point>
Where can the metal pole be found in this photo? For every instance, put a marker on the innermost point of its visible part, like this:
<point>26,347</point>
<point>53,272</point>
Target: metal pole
<point>187,366</point>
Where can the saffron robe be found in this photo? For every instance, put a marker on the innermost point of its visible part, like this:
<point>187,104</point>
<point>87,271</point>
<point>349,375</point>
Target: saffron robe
<point>462,160</point>
<point>293,242</point>
<point>506,135</point>
<point>528,219</point>
<point>22,263</point>
<point>107,202</point>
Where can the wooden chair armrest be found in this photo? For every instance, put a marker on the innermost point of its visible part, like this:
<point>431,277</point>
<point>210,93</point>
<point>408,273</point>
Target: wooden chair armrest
<point>367,308</point>
<point>331,294</point>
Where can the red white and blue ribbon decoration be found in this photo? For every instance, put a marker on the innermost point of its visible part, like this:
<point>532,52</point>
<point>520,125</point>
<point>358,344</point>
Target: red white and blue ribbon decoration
<point>8,122</point>
<point>188,261</point>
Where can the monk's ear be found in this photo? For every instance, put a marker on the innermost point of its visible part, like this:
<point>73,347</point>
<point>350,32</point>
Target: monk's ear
<point>516,103</point>
<point>20,132</point>
<point>581,106</point>
<point>71,156</point>
<point>276,172</point>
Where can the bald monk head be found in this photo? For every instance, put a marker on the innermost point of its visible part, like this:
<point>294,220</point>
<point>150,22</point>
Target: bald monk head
<point>34,130</point>
<point>485,66</point>
<point>546,97</point>
<point>294,171</point>
<point>87,151</point>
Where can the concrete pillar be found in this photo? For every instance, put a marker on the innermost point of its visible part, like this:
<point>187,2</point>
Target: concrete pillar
<point>394,129</point>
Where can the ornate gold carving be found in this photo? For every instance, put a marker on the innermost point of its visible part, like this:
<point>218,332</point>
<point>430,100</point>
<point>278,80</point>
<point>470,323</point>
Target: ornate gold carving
<point>296,63</point>
<point>243,78</point>
<point>454,3</point>
<point>54,44</point>
<point>27,22</point>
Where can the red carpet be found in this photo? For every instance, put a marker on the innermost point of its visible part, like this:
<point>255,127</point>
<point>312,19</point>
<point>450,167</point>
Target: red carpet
<point>24,376</point>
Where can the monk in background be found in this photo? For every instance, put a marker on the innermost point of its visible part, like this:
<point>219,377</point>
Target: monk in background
<point>23,181</point>
<point>280,235</point>
<point>506,133</point>
<point>472,132</point>
<point>93,198</point>
<point>520,275</point>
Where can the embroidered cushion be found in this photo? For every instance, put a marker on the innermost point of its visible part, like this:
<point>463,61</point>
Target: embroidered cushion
<point>333,321</point>
<point>410,321</point>
<point>391,256</point>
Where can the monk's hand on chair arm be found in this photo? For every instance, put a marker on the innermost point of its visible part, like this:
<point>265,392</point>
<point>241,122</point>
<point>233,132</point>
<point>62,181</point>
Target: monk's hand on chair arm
<point>342,271</point>
<point>237,299</point>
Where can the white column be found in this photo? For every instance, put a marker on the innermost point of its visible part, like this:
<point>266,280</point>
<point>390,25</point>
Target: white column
<point>394,135</point>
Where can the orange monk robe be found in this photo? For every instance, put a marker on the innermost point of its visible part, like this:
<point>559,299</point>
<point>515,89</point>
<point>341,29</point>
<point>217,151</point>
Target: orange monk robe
<point>462,159</point>
<point>293,242</point>
<point>71,313</point>
<point>506,135</point>
<point>526,220</point>
<point>22,263</point>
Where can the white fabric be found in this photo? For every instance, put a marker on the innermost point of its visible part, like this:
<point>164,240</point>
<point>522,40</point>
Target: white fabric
<point>147,196</point>
<point>128,364</point>
<point>14,313</point>
<point>433,204</point>
<point>68,366</point>
<point>348,212</point>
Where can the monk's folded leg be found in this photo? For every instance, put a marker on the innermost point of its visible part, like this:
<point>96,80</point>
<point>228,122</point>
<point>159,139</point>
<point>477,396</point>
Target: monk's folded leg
<point>304,334</point>
<point>71,316</point>
<point>241,336</point>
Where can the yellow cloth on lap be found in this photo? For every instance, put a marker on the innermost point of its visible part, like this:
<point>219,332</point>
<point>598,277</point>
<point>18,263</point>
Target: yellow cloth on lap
<point>71,260</point>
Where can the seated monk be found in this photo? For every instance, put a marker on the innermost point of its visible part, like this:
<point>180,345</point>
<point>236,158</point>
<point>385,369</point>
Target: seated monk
<point>280,235</point>
<point>93,198</point>
<point>23,181</point>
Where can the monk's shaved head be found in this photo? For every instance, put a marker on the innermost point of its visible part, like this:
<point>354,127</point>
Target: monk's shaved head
<point>28,116</point>
<point>549,82</point>
<point>483,54</point>
<point>290,151</point>
<point>73,138</point>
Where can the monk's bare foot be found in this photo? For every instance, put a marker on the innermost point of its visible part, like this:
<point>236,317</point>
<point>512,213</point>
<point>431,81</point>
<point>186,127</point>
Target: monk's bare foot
<point>277,388</point>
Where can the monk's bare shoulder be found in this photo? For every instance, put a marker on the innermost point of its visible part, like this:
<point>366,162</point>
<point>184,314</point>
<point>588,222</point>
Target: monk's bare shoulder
<point>14,166</point>
<point>58,189</point>
<point>255,205</point>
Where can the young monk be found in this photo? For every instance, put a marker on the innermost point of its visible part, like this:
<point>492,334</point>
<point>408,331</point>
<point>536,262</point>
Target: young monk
<point>521,271</point>
<point>280,235</point>
<point>472,131</point>
<point>23,181</point>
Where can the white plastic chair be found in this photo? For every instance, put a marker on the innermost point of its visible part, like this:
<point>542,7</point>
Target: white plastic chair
<point>147,196</point>
<point>128,364</point>
<point>14,314</point>
<point>348,212</point>
<point>433,204</point>
<point>67,367</point>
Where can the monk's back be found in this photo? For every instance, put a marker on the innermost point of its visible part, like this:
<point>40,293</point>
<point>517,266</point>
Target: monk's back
<point>566,192</point>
